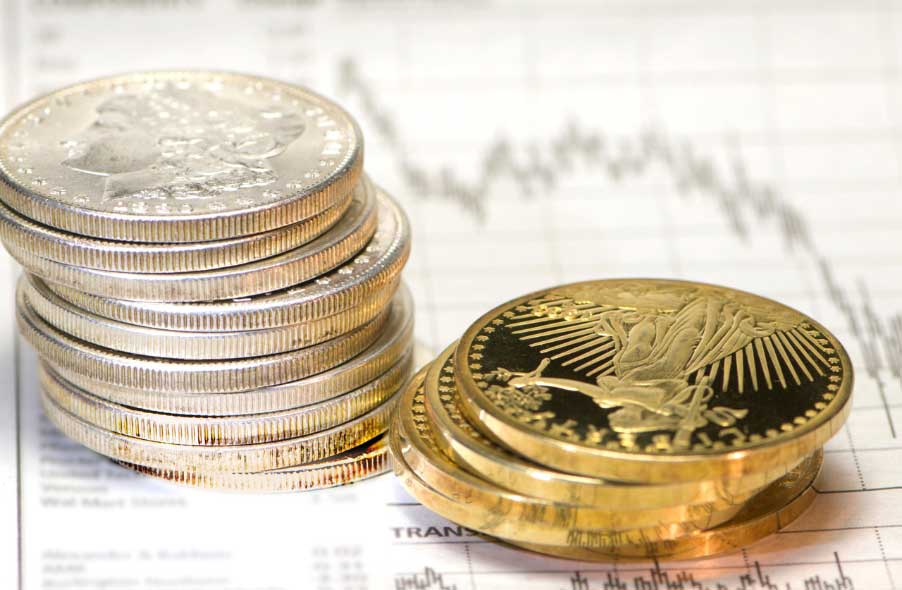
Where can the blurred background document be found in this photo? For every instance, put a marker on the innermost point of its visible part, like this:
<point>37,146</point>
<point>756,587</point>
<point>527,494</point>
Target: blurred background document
<point>782,126</point>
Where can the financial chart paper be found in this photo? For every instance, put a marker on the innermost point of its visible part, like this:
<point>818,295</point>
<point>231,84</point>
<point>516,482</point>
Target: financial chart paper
<point>754,144</point>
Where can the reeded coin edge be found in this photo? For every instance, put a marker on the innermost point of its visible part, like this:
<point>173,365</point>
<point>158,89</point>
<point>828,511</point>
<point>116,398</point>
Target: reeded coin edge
<point>330,250</point>
<point>339,290</point>
<point>218,431</point>
<point>352,467</point>
<point>164,375</point>
<point>393,351</point>
<point>187,345</point>
<point>230,459</point>
<point>138,257</point>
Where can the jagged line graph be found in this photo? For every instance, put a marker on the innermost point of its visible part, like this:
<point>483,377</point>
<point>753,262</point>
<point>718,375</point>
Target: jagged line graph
<point>655,578</point>
<point>536,169</point>
<point>429,579</point>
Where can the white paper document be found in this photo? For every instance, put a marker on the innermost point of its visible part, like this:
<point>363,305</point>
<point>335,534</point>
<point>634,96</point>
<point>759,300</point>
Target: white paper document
<point>754,144</point>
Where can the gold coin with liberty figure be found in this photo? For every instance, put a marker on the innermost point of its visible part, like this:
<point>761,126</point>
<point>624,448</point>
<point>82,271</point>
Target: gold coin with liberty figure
<point>484,506</point>
<point>653,381</point>
<point>464,445</point>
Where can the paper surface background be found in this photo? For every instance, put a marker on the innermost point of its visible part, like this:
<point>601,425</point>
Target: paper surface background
<point>474,115</point>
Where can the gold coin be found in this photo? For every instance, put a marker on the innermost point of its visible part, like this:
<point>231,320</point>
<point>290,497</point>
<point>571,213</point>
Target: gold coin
<point>366,461</point>
<point>774,509</point>
<point>654,381</point>
<point>342,242</point>
<point>250,458</point>
<point>186,345</point>
<point>165,375</point>
<point>177,156</point>
<point>467,447</point>
<point>218,431</point>
<point>387,358</point>
<point>439,484</point>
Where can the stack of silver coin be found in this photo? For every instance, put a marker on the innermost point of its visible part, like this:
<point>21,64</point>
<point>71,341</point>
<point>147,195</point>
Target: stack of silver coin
<point>211,282</point>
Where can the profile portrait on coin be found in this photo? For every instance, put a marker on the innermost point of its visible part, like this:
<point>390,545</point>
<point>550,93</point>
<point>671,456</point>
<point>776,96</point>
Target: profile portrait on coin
<point>181,143</point>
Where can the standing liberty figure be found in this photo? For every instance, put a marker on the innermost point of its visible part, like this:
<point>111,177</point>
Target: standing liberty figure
<point>655,353</point>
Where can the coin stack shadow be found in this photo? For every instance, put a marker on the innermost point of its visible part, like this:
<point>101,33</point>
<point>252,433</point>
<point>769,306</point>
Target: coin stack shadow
<point>232,321</point>
<point>630,418</point>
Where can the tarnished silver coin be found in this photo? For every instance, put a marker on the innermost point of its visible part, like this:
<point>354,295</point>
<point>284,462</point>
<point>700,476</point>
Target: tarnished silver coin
<point>139,257</point>
<point>391,352</point>
<point>224,459</point>
<point>368,279</point>
<point>217,431</point>
<point>368,460</point>
<point>338,245</point>
<point>164,375</point>
<point>188,345</point>
<point>177,156</point>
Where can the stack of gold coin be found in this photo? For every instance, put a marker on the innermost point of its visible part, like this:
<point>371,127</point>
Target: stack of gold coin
<point>625,418</point>
<point>212,284</point>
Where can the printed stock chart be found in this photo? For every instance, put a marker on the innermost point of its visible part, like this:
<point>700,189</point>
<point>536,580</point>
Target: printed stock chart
<point>753,144</point>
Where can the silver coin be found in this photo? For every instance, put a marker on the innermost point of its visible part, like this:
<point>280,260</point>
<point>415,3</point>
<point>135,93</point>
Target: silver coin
<point>341,243</point>
<point>391,354</point>
<point>177,156</point>
<point>218,431</point>
<point>224,459</point>
<point>188,345</point>
<point>366,461</point>
<point>164,375</point>
<point>373,273</point>
<point>139,257</point>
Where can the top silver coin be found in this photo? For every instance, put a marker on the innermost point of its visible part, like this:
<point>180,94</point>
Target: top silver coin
<point>177,156</point>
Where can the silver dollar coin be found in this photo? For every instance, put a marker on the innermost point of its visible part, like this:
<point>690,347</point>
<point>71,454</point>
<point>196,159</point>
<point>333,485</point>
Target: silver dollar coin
<point>391,353</point>
<point>183,344</point>
<point>368,278</point>
<point>197,376</point>
<point>339,244</point>
<point>177,156</point>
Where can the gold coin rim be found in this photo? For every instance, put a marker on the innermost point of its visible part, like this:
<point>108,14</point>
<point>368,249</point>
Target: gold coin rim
<point>735,535</point>
<point>646,467</point>
<point>533,518</point>
<point>493,462</point>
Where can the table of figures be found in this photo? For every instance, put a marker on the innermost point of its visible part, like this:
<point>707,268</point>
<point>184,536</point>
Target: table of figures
<point>755,144</point>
